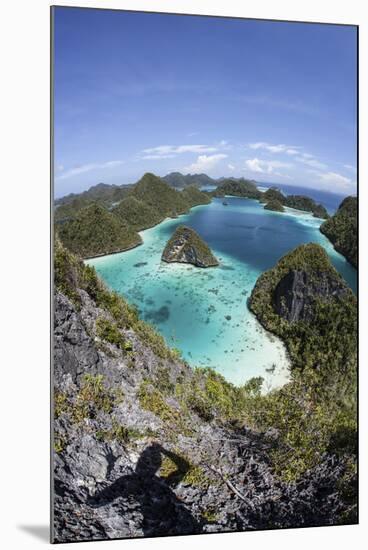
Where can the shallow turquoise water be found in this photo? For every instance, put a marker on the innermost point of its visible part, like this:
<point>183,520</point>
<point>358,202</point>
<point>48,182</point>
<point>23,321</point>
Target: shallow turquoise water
<point>203,312</point>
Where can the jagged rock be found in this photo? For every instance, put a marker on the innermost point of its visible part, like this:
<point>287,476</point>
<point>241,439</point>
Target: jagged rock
<point>186,246</point>
<point>74,350</point>
<point>111,450</point>
<point>296,293</point>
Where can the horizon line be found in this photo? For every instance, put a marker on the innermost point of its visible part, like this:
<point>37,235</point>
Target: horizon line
<point>257,182</point>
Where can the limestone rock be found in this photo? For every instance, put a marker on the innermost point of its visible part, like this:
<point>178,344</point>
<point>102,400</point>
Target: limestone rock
<point>186,246</point>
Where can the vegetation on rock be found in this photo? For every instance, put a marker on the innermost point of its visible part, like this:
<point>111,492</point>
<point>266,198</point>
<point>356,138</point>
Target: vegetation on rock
<point>195,197</point>
<point>136,213</point>
<point>300,202</point>
<point>186,246</point>
<point>197,429</point>
<point>342,229</point>
<point>95,232</point>
<point>180,181</point>
<point>107,195</point>
<point>157,194</point>
<point>273,194</point>
<point>91,228</point>
<point>274,205</point>
<point>315,313</point>
<point>239,188</point>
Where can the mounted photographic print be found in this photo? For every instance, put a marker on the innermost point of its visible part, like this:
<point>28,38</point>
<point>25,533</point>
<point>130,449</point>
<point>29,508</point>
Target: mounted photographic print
<point>204,251</point>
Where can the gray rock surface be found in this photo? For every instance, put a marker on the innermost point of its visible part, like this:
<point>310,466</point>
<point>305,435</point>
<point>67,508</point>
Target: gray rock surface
<point>107,485</point>
<point>186,246</point>
<point>298,291</point>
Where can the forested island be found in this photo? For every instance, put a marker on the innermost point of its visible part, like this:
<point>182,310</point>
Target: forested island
<point>102,226</point>
<point>274,205</point>
<point>186,246</point>
<point>123,211</point>
<point>342,229</point>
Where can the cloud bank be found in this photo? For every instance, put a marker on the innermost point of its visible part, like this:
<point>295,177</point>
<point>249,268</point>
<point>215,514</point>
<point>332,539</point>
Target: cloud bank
<point>205,163</point>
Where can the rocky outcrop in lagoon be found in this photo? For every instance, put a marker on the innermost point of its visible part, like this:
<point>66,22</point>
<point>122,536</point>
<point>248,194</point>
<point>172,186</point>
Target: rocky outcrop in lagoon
<point>186,246</point>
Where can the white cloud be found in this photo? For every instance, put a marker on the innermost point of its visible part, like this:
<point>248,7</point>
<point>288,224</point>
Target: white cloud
<point>350,167</point>
<point>205,163</point>
<point>279,148</point>
<point>334,181</point>
<point>311,161</point>
<point>293,150</point>
<point>154,157</point>
<point>163,150</point>
<point>266,166</point>
<point>110,164</point>
<point>83,168</point>
<point>255,165</point>
<point>231,167</point>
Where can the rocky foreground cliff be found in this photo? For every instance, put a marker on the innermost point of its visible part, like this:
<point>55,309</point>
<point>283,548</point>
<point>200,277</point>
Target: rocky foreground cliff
<point>144,445</point>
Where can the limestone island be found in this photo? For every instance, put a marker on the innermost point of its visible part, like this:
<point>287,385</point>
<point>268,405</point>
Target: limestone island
<point>186,246</point>
<point>274,205</point>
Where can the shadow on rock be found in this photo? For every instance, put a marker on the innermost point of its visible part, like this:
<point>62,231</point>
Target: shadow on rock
<point>161,510</point>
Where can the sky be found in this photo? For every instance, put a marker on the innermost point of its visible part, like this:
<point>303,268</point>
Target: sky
<point>138,92</point>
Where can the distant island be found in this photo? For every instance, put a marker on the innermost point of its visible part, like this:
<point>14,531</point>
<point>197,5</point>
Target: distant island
<point>274,205</point>
<point>299,202</point>
<point>99,226</point>
<point>117,213</point>
<point>186,246</point>
<point>238,188</point>
<point>180,181</point>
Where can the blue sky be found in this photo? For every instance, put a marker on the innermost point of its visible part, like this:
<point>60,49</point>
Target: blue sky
<point>139,92</point>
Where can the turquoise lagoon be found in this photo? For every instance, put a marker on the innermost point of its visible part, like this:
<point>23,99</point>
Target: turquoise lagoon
<point>203,312</point>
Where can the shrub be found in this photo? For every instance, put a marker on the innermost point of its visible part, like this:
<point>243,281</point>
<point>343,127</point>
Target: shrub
<point>94,397</point>
<point>109,332</point>
<point>152,400</point>
<point>60,443</point>
<point>60,403</point>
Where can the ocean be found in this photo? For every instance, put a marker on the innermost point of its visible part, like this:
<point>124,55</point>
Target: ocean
<point>203,312</point>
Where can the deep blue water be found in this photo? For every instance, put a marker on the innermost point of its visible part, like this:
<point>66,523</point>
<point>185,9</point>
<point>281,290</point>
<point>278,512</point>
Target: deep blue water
<point>253,236</point>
